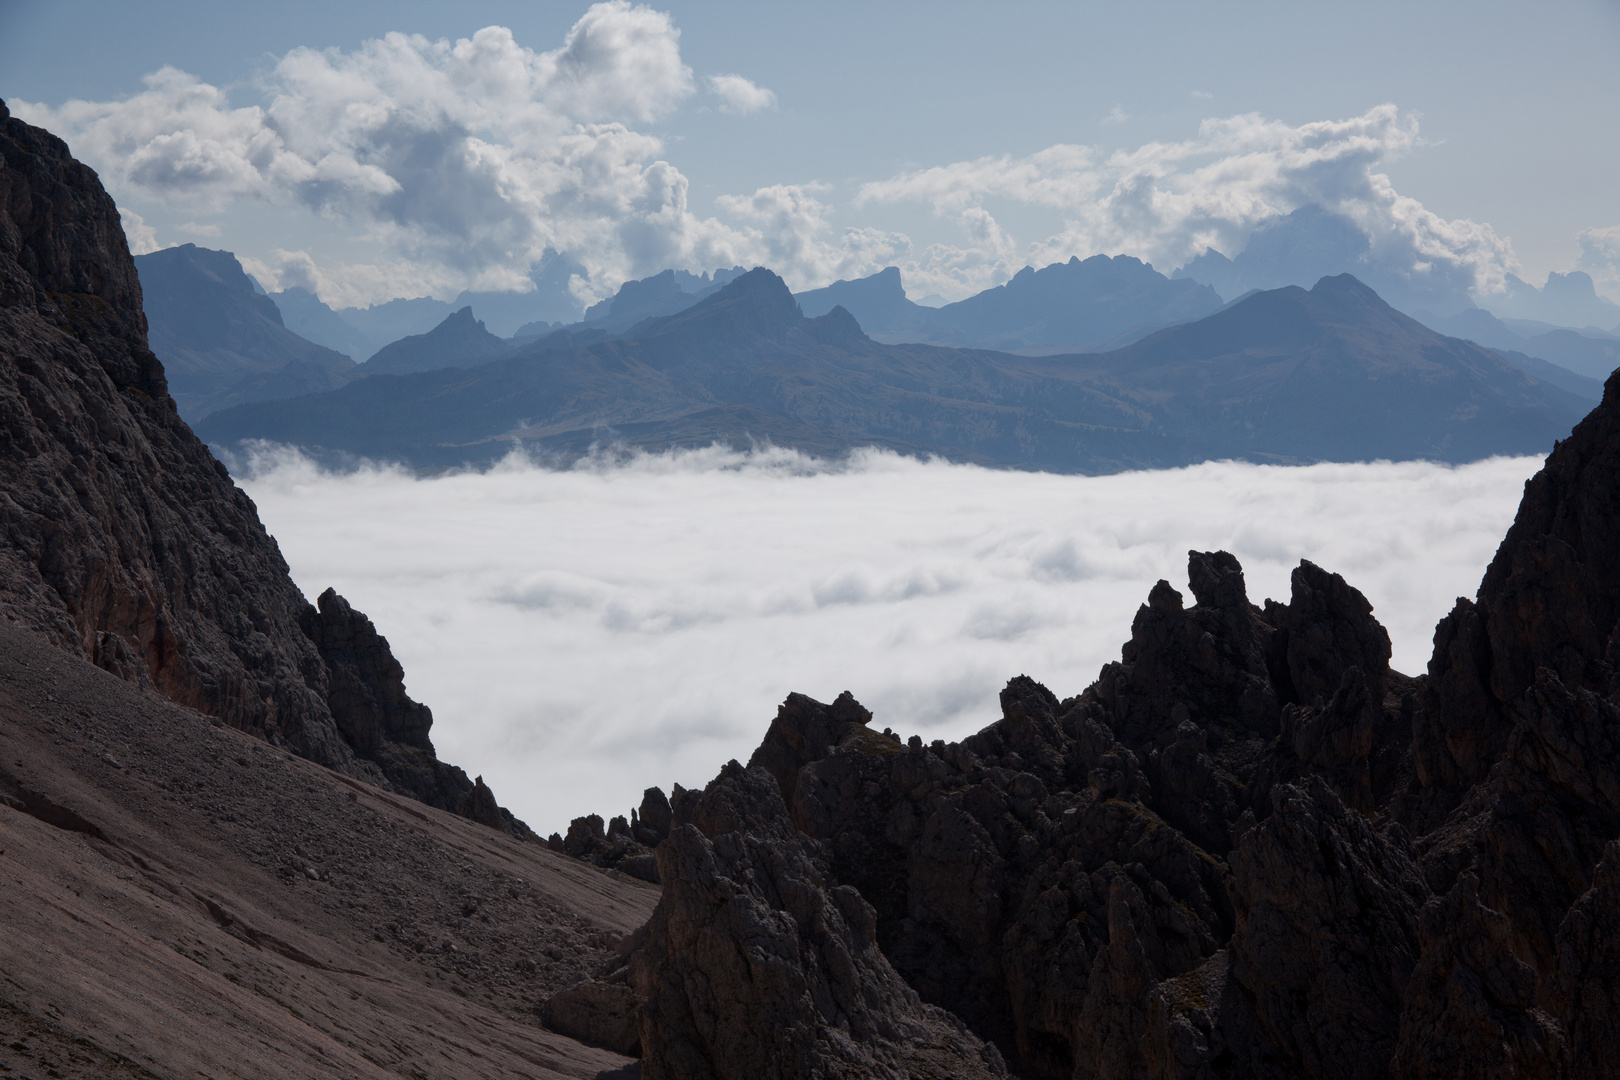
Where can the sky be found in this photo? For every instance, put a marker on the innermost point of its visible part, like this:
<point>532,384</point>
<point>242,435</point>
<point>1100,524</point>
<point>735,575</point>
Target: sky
<point>957,141</point>
<point>582,634</point>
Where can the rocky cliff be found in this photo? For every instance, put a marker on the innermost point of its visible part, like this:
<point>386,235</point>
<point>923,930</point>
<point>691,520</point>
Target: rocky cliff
<point>1249,849</point>
<point>125,541</point>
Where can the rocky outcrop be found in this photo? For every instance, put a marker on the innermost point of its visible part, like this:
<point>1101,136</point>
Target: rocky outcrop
<point>750,937</point>
<point>126,542</point>
<point>1249,849</point>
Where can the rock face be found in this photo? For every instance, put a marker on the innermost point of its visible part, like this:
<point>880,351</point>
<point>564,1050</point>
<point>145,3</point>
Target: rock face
<point>750,936</point>
<point>125,541</point>
<point>1249,849</point>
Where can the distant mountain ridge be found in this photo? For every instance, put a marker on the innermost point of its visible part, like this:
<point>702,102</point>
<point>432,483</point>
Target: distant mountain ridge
<point>1285,376</point>
<point>221,341</point>
<point>1082,305</point>
<point>459,341</point>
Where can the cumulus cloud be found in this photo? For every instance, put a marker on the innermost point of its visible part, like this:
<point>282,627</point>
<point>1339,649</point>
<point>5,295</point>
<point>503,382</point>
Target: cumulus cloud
<point>739,95</point>
<point>584,633</point>
<point>1600,257</point>
<point>466,159</point>
<point>1167,201</point>
<point>444,165</point>
<point>463,161</point>
<point>142,237</point>
<point>788,229</point>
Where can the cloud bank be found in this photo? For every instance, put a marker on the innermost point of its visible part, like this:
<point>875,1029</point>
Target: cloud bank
<point>1166,202</point>
<point>582,634</point>
<point>468,160</point>
<point>446,165</point>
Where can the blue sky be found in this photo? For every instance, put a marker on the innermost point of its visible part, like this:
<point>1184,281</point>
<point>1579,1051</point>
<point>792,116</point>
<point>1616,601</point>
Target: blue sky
<point>917,134</point>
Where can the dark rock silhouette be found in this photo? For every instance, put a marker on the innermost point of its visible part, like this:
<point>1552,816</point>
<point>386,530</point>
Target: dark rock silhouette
<point>1249,849</point>
<point>751,937</point>
<point>221,341</point>
<point>127,543</point>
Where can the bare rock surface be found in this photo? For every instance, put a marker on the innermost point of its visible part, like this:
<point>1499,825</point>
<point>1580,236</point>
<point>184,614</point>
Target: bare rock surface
<point>182,899</point>
<point>124,540</point>
<point>1249,849</point>
<point>751,937</point>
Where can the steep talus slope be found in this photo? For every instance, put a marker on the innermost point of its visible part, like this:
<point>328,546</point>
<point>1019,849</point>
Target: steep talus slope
<point>221,342</point>
<point>1249,849</point>
<point>181,899</point>
<point>123,538</point>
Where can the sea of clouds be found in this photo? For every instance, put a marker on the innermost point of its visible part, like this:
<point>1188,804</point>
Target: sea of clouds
<point>584,633</point>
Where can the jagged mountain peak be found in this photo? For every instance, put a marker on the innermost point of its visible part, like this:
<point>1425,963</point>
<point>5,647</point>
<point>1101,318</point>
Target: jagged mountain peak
<point>758,301</point>
<point>459,341</point>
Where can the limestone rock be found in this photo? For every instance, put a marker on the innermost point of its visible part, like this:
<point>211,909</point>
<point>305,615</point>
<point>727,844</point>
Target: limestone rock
<point>124,540</point>
<point>752,938</point>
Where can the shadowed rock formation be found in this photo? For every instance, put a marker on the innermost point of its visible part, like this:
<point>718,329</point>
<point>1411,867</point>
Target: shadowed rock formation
<point>1249,849</point>
<point>126,542</point>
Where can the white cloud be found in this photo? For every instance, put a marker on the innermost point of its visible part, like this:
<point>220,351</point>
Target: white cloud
<point>142,237</point>
<point>788,228</point>
<point>1203,95</point>
<point>466,160</point>
<point>446,165</point>
<point>1167,201</point>
<point>582,634</point>
<point>739,95</point>
<point>1600,257</point>
<point>1116,115</point>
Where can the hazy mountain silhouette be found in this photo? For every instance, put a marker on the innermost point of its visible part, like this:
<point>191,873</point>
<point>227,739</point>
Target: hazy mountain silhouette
<point>1080,305</point>
<point>362,332</point>
<point>1566,300</point>
<point>383,324</point>
<point>304,314</point>
<point>550,301</point>
<point>1290,375</point>
<point>651,297</point>
<point>1554,355</point>
<point>221,341</point>
<point>1312,243</point>
<point>878,302</point>
<point>460,341</point>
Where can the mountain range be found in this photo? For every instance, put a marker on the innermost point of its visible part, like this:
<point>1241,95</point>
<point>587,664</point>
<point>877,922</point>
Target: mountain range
<point>1290,375</point>
<point>1248,850</point>
<point>360,332</point>
<point>222,341</point>
<point>217,330</point>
